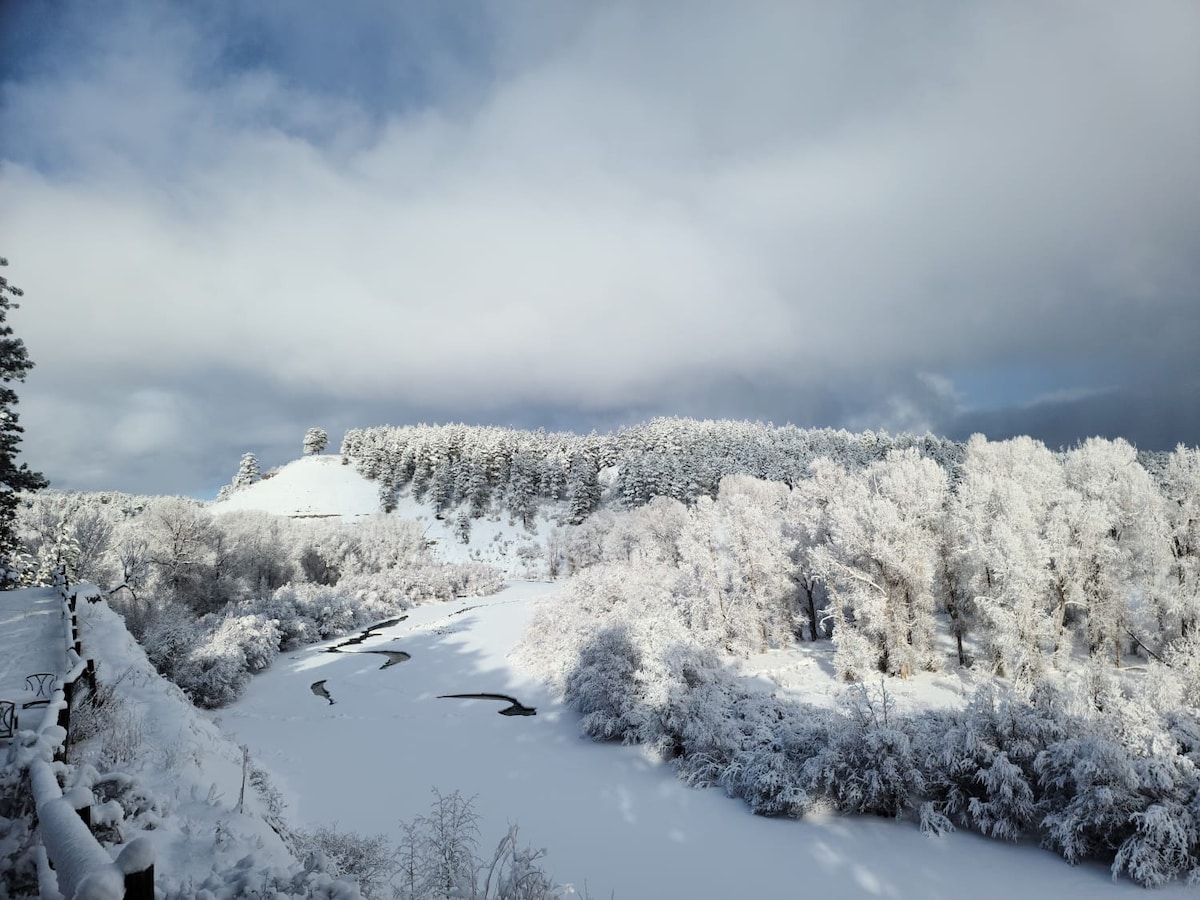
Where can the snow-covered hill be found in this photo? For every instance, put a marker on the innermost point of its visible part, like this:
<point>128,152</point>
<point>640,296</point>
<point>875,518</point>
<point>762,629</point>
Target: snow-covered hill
<point>318,486</point>
<point>324,487</point>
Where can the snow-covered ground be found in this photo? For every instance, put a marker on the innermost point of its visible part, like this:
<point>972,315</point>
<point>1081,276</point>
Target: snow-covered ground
<point>320,486</point>
<point>315,485</point>
<point>613,819</point>
<point>32,639</point>
<point>608,815</point>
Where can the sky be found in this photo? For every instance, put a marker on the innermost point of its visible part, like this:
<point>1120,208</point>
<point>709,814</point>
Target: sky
<point>238,219</point>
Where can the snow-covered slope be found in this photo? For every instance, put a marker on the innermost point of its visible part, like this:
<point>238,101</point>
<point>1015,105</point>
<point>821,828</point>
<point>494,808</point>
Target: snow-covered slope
<point>311,486</point>
<point>322,487</point>
<point>161,770</point>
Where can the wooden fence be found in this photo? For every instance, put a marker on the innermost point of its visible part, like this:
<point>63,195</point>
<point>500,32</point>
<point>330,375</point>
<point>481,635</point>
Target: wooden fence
<point>72,863</point>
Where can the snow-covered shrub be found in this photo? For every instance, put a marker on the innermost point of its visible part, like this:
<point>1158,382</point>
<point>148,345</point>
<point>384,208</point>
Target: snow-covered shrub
<point>213,675</point>
<point>213,658</point>
<point>1090,793</point>
<point>614,641</point>
<point>775,739</point>
<point>438,857</point>
<point>169,639</point>
<point>249,878</point>
<point>869,764</point>
<point>632,685</point>
<point>122,804</point>
<point>1165,844</point>
<point>18,840</point>
<point>105,728</point>
<point>978,765</point>
<point>602,686</point>
<point>368,859</point>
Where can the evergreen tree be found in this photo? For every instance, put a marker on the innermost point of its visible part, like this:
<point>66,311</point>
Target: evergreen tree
<point>315,440</point>
<point>247,472</point>
<point>14,478</point>
<point>583,487</point>
<point>523,488</point>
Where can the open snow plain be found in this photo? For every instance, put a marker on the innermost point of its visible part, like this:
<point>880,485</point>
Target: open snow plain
<point>612,819</point>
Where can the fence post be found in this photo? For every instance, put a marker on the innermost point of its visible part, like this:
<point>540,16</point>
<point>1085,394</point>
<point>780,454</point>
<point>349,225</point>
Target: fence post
<point>136,861</point>
<point>64,720</point>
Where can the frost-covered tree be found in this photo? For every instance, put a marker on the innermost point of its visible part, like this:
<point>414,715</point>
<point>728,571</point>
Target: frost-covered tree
<point>68,529</point>
<point>179,535</point>
<point>880,564</point>
<point>1121,538</point>
<point>14,477</point>
<point>583,487</point>
<point>523,488</point>
<point>763,586</point>
<point>1179,610</point>
<point>998,555</point>
<point>315,440</point>
<point>247,472</point>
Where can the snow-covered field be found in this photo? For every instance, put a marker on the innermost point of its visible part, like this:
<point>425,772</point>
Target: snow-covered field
<point>609,816</point>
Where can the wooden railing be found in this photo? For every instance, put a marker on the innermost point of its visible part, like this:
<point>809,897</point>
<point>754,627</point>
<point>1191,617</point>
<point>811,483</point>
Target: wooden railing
<point>74,864</point>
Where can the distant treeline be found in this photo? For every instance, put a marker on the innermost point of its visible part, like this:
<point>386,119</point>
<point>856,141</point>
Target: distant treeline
<point>476,467</point>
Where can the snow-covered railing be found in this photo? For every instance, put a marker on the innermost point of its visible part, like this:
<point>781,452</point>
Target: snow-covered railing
<point>74,864</point>
<point>82,868</point>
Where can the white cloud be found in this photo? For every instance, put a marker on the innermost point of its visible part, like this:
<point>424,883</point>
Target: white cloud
<point>614,200</point>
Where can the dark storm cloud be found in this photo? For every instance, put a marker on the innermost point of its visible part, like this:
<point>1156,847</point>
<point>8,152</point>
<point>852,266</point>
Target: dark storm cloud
<point>1150,419</point>
<point>234,220</point>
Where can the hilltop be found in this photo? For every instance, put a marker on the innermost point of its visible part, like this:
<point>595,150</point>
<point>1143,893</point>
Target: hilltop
<point>329,487</point>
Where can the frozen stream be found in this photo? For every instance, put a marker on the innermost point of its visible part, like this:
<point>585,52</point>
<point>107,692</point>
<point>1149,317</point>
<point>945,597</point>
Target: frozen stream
<point>609,817</point>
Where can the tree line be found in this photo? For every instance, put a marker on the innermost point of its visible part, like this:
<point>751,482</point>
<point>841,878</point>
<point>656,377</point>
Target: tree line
<point>478,468</point>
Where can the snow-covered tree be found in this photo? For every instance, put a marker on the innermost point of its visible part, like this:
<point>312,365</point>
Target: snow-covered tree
<point>247,472</point>
<point>1180,604</point>
<point>583,488</point>
<point>763,593</point>
<point>179,534</point>
<point>14,477</point>
<point>1121,538</point>
<point>523,488</point>
<point>880,564</point>
<point>998,555</point>
<point>315,440</point>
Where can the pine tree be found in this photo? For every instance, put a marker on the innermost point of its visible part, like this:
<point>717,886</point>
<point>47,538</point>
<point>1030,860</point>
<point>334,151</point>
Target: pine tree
<point>583,487</point>
<point>315,440</point>
<point>14,478</point>
<point>247,472</point>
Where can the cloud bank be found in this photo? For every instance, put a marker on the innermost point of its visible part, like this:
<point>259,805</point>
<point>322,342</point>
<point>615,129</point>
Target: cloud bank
<point>236,223</point>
